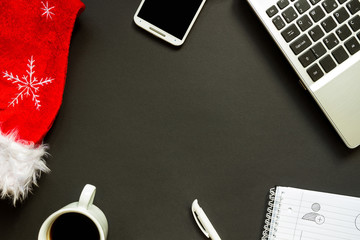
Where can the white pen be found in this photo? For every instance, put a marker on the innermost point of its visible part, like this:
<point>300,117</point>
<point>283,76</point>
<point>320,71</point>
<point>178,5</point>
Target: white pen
<point>203,221</point>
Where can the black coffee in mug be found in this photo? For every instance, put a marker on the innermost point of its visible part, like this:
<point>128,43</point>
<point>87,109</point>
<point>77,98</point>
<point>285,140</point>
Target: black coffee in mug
<point>71,226</point>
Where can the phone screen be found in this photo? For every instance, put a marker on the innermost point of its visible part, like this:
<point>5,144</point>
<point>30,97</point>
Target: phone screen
<point>172,16</point>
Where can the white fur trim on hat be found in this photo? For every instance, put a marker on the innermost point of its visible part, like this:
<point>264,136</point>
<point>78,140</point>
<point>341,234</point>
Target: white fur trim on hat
<point>21,163</point>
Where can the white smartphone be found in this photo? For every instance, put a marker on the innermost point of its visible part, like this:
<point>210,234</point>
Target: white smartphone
<point>170,20</point>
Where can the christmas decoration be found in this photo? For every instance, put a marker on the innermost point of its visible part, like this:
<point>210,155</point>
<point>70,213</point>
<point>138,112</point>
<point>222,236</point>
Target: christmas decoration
<point>34,44</point>
<point>28,85</point>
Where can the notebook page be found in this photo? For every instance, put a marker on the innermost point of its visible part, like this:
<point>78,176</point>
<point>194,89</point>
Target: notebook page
<point>309,215</point>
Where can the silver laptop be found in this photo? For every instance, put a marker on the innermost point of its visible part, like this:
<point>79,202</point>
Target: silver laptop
<point>321,40</point>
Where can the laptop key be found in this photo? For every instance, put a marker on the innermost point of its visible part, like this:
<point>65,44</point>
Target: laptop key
<point>341,15</point>
<point>328,24</point>
<point>327,63</point>
<point>289,14</point>
<point>302,6</point>
<point>316,33</point>
<point>290,33</point>
<point>343,32</point>
<point>329,5</point>
<point>342,1</point>
<point>278,22</point>
<point>318,50</point>
<point>307,58</point>
<point>352,45</point>
<point>304,22</point>
<point>355,23</point>
<point>340,54</point>
<point>317,13</point>
<point>315,72</point>
<point>282,4</point>
<point>331,41</point>
<point>272,11</point>
<point>353,6</point>
<point>300,44</point>
<point>313,2</point>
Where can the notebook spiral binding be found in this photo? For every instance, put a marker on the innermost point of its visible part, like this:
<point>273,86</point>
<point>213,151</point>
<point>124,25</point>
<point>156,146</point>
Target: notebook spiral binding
<point>269,212</point>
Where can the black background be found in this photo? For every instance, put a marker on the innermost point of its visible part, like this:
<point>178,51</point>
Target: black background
<point>221,119</point>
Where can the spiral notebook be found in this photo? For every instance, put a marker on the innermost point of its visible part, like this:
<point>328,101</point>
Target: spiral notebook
<point>298,214</point>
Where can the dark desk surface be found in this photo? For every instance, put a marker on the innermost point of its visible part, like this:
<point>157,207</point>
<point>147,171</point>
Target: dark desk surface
<point>222,119</point>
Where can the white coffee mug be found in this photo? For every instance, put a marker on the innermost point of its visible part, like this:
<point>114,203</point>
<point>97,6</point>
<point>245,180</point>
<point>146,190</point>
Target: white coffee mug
<point>85,207</point>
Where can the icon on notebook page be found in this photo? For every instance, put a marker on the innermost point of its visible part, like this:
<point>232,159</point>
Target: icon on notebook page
<point>315,216</point>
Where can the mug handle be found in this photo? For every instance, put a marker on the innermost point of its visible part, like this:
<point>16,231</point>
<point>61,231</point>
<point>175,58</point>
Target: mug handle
<point>87,196</point>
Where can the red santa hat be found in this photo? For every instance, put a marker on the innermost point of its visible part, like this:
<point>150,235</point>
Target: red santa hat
<point>34,44</point>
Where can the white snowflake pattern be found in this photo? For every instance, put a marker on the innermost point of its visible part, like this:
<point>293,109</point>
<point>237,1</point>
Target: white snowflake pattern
<point>47,10</point>
<point>27,85</point>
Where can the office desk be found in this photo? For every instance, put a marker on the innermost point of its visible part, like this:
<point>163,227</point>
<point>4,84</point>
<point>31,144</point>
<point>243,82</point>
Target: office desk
<point>221,119</point>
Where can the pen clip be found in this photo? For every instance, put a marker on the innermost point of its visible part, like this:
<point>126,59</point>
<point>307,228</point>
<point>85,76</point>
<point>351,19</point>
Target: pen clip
<point>194,208</point>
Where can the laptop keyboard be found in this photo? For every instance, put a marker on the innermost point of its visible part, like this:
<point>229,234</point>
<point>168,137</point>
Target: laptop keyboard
<point>321,33</point>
